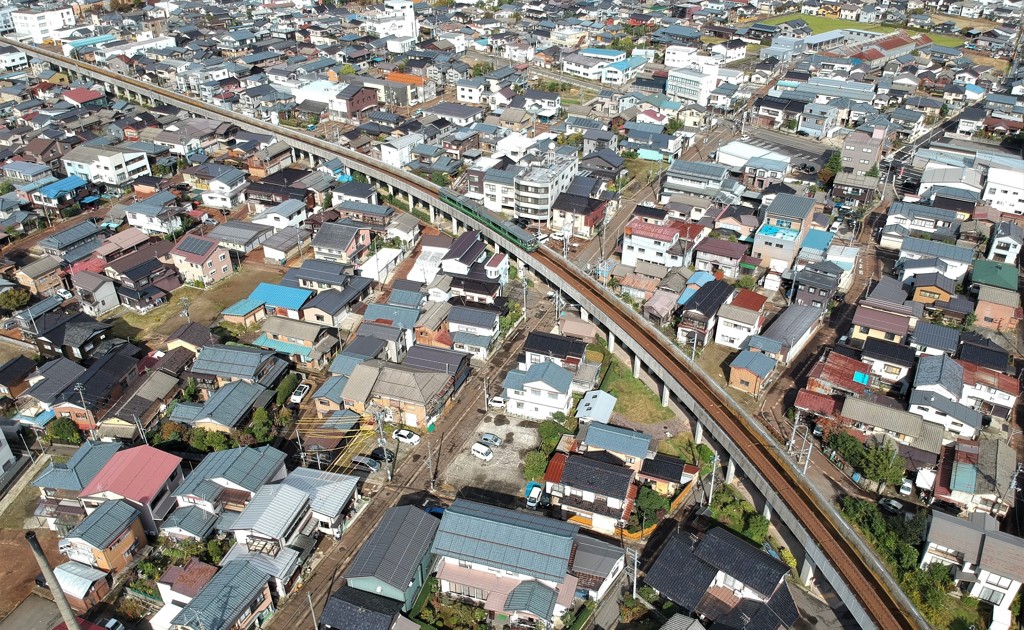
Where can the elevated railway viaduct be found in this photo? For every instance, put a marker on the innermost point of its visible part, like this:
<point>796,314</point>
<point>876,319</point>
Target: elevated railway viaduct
<point>831,548</point>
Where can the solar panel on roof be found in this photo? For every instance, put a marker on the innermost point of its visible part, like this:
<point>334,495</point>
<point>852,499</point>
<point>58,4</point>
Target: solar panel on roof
<point>191,245</point>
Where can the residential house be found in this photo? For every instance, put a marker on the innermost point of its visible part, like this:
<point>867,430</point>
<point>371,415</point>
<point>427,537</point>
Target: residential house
<point>817,283</point>
<point>597,494</point>
<point>957,259</point>
<point>227,480</point>
<point>411,395</point>
<point>142,476</point>
<point>236,597</point>
<point>539,391</point>
<point>60,484</point>
<point>157,214</point>
<point>309,346</point>
<point>73,243</point>
<point>986,563</point>
<point>933,287</point>
<point>96,293</point>
<point>933,339</point>
<point>116,166</point>
<point>76,336</point>
<point>997,308</point>
<point>625,445</point>
<point>227,409</point>
<point>750,372</point>
<point>739,319</point>
<point>1006,242</point>
<point>218,365</point>
<point>991,392</point>
<point>528,583</point>
<point>201,260</point>
<point>890,362</point>
<point>723,578</point>
<point>785,223</point>
<point>288,213</point>
<point>473,330</point>
<point>14,376</point>
<point>395,560</point>
<point>108,539</point>
<point>699,314</point>
<point>240,236</point>
<point>871,323</point>
<point>372,611</point>
<point>788,334</point>
<point>341,242</point>
<point>950,415</point>
<point>868,419</point>
<point>41,277</point>
<point>595,406</point>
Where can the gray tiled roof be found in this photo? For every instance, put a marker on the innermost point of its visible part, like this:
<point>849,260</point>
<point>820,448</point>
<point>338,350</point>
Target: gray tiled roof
<point>602,478</point>
<point>790,206</point>
<point>505,539</point>
<point>954,410</point>
<point>395,549</point>
<point>351,609</point>
<point>101,528</point>
<point>932,335</point>
<point>230,361</point>
<point>328,492</point>
<point>881,416</point>
<point>224,598</point>
<point>191,519</point>
<point>940,370</point>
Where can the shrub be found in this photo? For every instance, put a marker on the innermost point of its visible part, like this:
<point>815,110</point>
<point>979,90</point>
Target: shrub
<point>534,465</point>
<point>286,387</point>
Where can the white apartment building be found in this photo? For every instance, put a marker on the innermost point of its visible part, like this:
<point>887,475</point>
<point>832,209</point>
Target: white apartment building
<point>648,242</point>
<point>397,18</point>
<point>1005,190</point>
<point>226,190</point>
<point>538,186</point>
<point>12,59</point>
<point>6,20</point>
<point>397,152</point>
<point>40,25</point>
<point>130,49</point>
<point>689,85</point>
<point>109,165</point>
<point>539,391</point>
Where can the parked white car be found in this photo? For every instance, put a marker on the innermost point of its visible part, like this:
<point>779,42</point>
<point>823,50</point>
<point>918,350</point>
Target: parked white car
<point>299,394</point>
<point>480,451</point>
<point>405,436</point>
<point>497,402</point>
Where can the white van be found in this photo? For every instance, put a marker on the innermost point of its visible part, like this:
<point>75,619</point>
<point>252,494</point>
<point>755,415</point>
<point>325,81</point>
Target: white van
<point>481,452</point>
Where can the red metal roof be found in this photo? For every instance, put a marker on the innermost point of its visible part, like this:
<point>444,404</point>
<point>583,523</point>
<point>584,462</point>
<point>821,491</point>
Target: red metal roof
<point>813,402</point>
<point>745,298</point>
<point>137,474</point>
<point>555,468</point>
<point>975,374</point>
<point>637,227</point>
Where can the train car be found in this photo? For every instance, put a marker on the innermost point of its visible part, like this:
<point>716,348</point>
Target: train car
<point>523,238</point>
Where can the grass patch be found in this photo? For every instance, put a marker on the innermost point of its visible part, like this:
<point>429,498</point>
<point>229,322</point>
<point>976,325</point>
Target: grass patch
<point>642,171</point>
<point>21,508</point>
<point>821,24</point>
<point>204,306</point>
<point>635,400</point>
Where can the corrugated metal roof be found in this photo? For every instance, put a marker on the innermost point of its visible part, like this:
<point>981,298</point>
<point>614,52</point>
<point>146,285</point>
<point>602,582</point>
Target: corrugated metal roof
<point>505,539</point>
<point>192,520</point>
<point>105,524</point>
<point>272,510</point>
<point>223,600</point>
<point>76,578</point>
<point>245,467</point>
<point>886,418</point>
<point>328,492</point>
<point>532,597</point>
<point>85,464</point>
<point>395,549</point>
<point>616,440</point>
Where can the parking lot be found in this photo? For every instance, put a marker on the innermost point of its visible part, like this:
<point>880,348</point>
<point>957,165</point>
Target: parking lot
<point>500,479</point>
<point>800,149</point>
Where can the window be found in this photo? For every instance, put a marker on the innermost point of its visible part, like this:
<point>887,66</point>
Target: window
<point>1001,582</point>
<point>890,336</point>
<point>891,369</point>
<point>991,596</point>
<point>222,257</point>
<point>865,330</point>
<point>744,383</point>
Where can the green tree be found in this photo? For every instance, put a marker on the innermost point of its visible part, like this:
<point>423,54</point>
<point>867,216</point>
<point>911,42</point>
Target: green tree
<point>197,439</point>
<point>571,140</point>
<point>651,507</point>
<point>6,187</point>
<point>790,124</point>
<point>873,171</point>
<point>944,110</point>
<point>756,528</point>
<point>883,464</point>
<point>328,200</point>
<point>215,550</point>
<point>746,282</point>
<point>534,465</point>
<point>171,431</point>
<point>629,154</point>
<point>347,69</point>
<point>64,430</point>
<point>674,125</point>
<point>191,391</point>
<point>848,447</point>
<point>439,178</point>
<point>482,68</point>
<point>286,387</point>
<point>217,441</point>
<point>262,429</point>
<point>13,300</point>
<point>625,44</point>
<point>834,165</point>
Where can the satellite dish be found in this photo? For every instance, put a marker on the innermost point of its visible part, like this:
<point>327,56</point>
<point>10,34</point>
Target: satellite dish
<point>551,146</point>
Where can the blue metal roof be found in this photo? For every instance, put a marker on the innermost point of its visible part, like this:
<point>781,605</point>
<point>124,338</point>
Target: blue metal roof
<point>62,186</point>
<point>263,341</point>
<point>756,362</point>
<point>277,295</point>
<point>818,239</point>
<point>101,528</point>
<point>617,440</point>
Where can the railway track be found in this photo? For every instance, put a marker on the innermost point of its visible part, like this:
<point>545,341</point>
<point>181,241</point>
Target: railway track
<point>869,587</point>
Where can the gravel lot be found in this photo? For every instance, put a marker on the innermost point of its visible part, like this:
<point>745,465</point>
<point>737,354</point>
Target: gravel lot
<point>500,479</point>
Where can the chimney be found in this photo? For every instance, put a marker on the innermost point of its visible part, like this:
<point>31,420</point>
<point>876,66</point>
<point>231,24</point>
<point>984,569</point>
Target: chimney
<point>51,580</point>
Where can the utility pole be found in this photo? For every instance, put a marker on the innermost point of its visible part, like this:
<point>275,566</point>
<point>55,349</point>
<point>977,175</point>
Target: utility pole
<point>298,440</point>
<point>31,457</point>
<point>142,432</point>
<point>714,470</point>
<point>312,611</point>
<point>383,443</point>
<point>635,566</point>
<point>51,581</point>
<point>92,421</point>
<point>792,438</point>
<point>485,393</point>
<point>430,460</point>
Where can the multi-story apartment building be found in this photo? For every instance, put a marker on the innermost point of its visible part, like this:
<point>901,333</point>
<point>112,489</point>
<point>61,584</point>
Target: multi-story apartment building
<point>538,186</point>
<point>703,179</point>
<point>40,25</point>
<point>1004,190</point>
<point>110,165</point>
<point>786,221</point>
<point>861,151</point>
<point>691,85</point>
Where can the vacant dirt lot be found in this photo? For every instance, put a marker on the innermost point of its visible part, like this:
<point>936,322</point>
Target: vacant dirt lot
<point>19,569</point>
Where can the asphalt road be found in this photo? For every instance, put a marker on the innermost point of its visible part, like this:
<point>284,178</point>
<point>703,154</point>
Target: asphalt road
<point>799,148</point>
